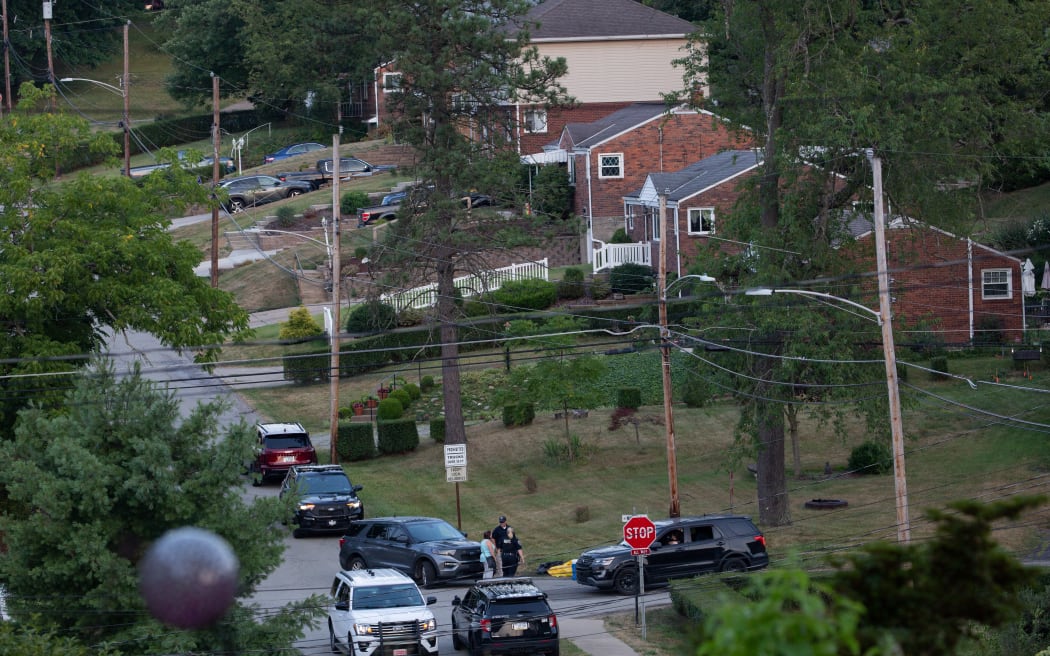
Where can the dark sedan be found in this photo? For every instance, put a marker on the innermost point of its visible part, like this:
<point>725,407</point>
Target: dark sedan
<point>293,151</point>
<point>252,190</point>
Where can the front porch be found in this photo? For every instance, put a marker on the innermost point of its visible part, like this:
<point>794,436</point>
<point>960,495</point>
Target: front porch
<point>607,256</point>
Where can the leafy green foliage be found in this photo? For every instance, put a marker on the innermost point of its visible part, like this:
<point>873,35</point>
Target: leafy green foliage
<point>352,201</point>
<point>355,441</point>
<point>871,457</point>
<point>403,396</point>
<point>571,284</point>
<point>518,414</point>
<point>371,316</point>
<point>285,216</point>
<point>632,278</point>
<point>551,193</point>
<point>397,435</point>
<point>437,429</point>
<point>119,464</point>
<point>390,408</point>
<point>303,368</point>
<point>523,295</point>
<point>300,325</point>
<point>629,397</point>
<point>620,237</point>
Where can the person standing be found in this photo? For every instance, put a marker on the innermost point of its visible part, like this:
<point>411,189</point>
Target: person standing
<point>512,554</point>
<point>488,554</point>
<point>499,534</point>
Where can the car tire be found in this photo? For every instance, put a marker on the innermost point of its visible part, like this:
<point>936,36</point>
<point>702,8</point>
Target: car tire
<point>626,580</point>
<point>734,564</point>
<point>357,562</point>
<point>457,644</point>
<point>256,476</point>
<point>473,648</point>
<point>294,192</point>
<point>236,205</point>
<point>331,640</point>
<point>426,575</point>
<point>298,533</point>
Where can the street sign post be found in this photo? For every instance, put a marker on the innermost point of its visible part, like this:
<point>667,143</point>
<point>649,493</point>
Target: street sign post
<point>456,472</point>
<point>639,533</point>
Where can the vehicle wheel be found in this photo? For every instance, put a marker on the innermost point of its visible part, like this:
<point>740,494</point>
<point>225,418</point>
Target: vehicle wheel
<point>236,205</point>
<point>256,476</point>
<point>357,562</point>
<point>734,565</point>
<point>426,575</point>
<point>626,581</point>
<point>474,649</point>
<point>555,651</point>
<point>298,533</point>
<point>294,192</point>
<point>456,642</point>
<point>331,640</point>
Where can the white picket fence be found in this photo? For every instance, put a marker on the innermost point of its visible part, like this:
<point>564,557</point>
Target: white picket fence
<point>607,256</point>
<point>427,295</point>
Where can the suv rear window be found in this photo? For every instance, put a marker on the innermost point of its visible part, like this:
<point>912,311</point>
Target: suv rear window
<point>287,441</point>
<point>511,608</point>
<point>738,527</point>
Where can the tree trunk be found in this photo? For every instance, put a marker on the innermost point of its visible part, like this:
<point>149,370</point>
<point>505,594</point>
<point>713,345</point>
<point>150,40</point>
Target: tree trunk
<point>773,504</point>
<point>455,433</point>
<point>796,456</point>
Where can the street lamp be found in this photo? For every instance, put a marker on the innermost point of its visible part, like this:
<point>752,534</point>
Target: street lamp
<point>885,322</point>
<point>121,91</point>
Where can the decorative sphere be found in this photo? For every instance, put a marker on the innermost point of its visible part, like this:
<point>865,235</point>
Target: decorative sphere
<point>189,578</point>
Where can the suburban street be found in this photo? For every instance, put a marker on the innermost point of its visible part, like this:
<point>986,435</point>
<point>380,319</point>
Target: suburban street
<point>310,563</point>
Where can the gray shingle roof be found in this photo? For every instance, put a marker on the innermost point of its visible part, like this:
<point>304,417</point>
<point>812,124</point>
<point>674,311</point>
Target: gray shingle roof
<point>586,135</point>
<point>567,19</point>
<point>703,174</point>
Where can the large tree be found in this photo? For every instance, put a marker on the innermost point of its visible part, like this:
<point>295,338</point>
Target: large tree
<point>92,486</point>
<point>944,95</point>
<point>461,63</point>
<point>88,257</point>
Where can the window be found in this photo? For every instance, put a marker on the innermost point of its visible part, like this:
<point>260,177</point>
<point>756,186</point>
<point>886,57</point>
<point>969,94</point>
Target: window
<point>610,165</point>
<point>701,220</point>
<point>996,283</point>
<point>536,121</point>
<point>391,82</point>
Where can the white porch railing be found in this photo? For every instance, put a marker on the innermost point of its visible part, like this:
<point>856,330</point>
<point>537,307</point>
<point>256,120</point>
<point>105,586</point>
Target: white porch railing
<point>427,295</point>
<point>607,256</point>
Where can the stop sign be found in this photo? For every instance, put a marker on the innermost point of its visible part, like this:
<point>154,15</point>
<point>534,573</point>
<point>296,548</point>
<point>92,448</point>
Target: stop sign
<point>639,533</point>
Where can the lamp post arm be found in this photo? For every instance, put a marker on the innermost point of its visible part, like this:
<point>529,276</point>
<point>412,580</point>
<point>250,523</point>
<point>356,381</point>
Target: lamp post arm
<point>115,89</point>
<point>806,292</point>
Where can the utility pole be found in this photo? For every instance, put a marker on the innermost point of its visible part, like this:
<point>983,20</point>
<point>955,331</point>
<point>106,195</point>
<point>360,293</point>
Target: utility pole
<point>7,59</point>
<point>125,84</point>
<point>336,274</point>
<point>47,39</point>
<point>215,181</point>
<point>900,478</point>
<point>665,360</point>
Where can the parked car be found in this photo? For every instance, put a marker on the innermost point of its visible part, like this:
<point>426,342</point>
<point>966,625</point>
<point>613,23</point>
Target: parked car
<point>252,190</point>
<point>380,612</point>
<point>292,151</point>
<point>427,549</point>
<point>325,498</point>
<point>504,616</point>
<point>684,547</point>
<point>280,447</point>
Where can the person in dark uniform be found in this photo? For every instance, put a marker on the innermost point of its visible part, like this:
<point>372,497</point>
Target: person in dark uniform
<point>499,534</point>
<point>512,554</point>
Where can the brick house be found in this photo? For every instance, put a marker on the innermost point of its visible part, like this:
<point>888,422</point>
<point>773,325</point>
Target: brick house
<point>609,159</point>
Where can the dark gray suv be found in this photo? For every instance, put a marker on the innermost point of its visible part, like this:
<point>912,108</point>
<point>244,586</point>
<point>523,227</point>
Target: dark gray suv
<point>427,549</point>
<point>504,616</point>
<point>683,547</point>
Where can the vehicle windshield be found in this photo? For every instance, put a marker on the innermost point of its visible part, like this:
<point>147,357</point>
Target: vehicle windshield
<point>324,484</point>
<point>433,531</point>
<point>371,597</point>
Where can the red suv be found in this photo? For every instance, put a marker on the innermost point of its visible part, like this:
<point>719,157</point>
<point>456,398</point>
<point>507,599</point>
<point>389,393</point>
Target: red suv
<point>280,447</point>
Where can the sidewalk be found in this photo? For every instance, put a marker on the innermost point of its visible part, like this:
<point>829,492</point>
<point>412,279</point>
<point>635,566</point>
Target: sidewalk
<point>591,636</point>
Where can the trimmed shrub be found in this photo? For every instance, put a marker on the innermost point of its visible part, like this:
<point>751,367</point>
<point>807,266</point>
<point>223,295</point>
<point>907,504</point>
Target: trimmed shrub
<point>437,430</point>
<point>390,409</point>
<point>989,331</point>
<point>301,325</point>
<point>401,395</point>
<point>371,316</point>
<point>397,436</point>
<point>346,412</point>
<point>426,383</point>
<point>631,278</point>
<point>571,284</point>
<point>308,367</point>
<point>871,458</point>
<point>522,295</point>
<point>285,216</point>
<point>939,365</point>
<point>413,391</point>
<point>620,237</point>
<point>355,441</point>
<point>629,397</point>
<point>600,288</point>
<point>352,201</point>
<point>518,414</point>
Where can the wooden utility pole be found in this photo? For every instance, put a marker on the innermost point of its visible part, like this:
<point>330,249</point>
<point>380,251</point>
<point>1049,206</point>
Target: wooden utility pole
<point>675,509</point>
<point>900,479</point>
<point>215,181</point>
<point>125,84</point>
<point>47,40</point>
<point>7,59</point>
<point>336,274</point>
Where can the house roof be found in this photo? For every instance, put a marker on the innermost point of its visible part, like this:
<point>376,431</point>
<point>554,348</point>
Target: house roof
<point>602,19</point>
<point>588,135</point>
<point>860,225</point>
<point>698,176</point>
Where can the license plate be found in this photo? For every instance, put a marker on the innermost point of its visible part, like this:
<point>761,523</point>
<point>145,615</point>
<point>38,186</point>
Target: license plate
<point>401,652</point>
<point>520,626</point>
<point>287,458</point>
<point>331,522</point>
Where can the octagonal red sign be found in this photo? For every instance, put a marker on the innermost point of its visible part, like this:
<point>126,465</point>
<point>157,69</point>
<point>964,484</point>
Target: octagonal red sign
<point>639,532</point>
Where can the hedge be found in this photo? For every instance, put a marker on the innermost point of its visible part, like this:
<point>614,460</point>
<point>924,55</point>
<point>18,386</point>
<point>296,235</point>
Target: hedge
<point>390,409</point>
<point>355,441</point>
<point>437,430</point>
<point>518,414</point>
<point>629,397</point>
<point>314,365</point>
<point>397,436</point>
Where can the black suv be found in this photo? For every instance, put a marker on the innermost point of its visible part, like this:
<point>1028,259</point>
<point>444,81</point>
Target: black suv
<point>683,547</point>
<point>325,499</point>
<point>426,548</point>
<point>504,616</point>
